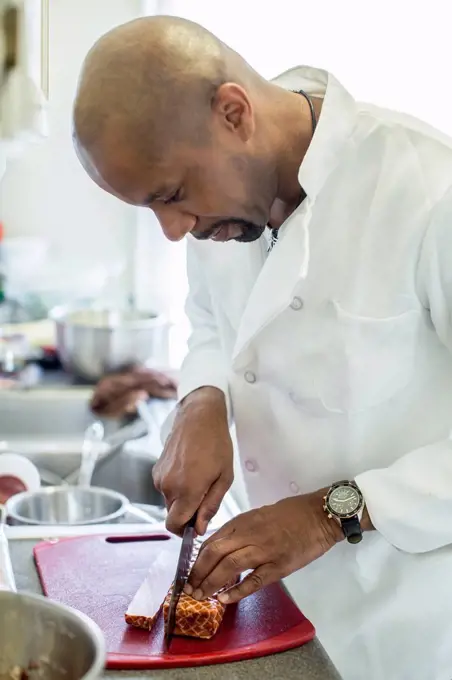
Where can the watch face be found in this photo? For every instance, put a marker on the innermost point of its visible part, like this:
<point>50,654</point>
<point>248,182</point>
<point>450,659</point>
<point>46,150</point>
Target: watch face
<point>344,501</point>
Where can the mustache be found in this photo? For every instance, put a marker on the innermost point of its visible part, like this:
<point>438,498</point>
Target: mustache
<point>250,230</point>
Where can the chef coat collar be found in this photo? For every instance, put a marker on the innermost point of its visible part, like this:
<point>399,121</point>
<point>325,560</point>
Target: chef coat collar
<point>335,124</point>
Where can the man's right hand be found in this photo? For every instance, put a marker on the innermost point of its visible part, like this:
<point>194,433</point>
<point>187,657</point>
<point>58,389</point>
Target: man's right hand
<point>195,469</point>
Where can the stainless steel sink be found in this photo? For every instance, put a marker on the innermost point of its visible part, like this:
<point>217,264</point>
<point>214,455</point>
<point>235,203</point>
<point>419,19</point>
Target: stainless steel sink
<point>46,425</point>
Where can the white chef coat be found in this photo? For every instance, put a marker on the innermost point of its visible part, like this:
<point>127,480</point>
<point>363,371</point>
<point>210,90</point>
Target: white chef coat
<point>334,351</point>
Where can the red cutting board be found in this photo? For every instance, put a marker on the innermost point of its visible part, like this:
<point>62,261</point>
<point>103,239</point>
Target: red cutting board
<point>99,575</point>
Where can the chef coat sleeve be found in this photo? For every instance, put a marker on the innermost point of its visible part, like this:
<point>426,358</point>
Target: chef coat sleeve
<point>204,364</point>
<point>410,502</point>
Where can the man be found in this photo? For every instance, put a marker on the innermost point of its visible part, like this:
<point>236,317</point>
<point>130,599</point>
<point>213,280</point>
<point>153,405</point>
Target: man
<point>322,328</point>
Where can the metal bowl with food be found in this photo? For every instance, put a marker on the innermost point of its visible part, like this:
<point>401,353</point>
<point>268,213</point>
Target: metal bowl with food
<point>93,342</point>
<point>44,640</point>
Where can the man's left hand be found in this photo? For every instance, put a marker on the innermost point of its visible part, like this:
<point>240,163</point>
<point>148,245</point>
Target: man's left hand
<point>273,542</point>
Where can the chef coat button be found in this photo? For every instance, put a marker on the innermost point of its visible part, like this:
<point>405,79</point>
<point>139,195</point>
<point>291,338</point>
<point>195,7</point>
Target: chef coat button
<point>297,303</point>
<point>294,487</point>
<point>250,465</point>
<point>250,377</point>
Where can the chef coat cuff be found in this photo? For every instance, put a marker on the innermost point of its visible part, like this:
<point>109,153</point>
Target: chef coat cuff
<point>202,372</point>
<point>401,510</point>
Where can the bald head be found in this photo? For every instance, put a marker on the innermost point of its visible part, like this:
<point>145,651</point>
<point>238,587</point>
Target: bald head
<point>168,117</point>
<point>151,81</point>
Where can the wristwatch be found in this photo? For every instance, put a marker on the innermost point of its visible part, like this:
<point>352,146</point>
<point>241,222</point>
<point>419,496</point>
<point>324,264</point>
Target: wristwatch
<point>344,503</point>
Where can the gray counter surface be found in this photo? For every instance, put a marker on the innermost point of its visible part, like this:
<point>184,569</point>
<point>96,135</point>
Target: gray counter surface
<point>309,662</point>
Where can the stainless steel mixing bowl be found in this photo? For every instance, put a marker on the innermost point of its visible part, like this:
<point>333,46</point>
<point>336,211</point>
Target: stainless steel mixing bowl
<point>94,342</point>
<point>69,505</point>
<point>47,640</point>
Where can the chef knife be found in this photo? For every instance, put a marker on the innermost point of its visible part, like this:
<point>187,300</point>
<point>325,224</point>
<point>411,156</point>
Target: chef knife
<point>182,572</point>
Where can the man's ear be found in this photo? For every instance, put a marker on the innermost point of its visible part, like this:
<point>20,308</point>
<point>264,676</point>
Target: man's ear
<point>234,110</point>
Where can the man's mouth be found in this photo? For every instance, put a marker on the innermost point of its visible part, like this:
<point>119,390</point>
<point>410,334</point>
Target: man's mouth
<point>222,235</point>
<point>231,230</point>
<point>217,235</point>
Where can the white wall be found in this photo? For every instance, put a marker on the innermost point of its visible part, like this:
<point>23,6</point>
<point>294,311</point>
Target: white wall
<point>389,52</point>
<point>46,192</point>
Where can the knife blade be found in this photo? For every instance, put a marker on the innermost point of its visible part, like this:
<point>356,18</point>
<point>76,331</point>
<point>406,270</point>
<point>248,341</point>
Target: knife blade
<point>180,579</point>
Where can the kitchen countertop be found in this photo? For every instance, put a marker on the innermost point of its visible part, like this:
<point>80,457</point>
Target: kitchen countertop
<point>309,662</point>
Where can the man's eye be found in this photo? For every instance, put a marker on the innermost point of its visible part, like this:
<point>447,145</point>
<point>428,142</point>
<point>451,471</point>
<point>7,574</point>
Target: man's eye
<point>174,198</point>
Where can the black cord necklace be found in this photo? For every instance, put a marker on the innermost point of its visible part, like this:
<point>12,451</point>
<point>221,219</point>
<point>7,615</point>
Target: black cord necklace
<point>274,232</point>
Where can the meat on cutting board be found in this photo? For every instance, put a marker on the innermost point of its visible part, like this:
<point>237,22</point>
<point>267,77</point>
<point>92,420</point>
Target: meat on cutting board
<point>199,619</point>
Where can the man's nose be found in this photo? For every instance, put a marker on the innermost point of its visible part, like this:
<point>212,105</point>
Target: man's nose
<point>175,224</point>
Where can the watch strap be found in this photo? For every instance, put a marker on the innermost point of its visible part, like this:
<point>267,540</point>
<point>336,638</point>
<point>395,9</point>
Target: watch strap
<point>352,529</point>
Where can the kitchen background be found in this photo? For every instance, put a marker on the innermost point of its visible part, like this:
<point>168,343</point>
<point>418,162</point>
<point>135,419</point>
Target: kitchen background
<point>394,54</point>
<point>66,241</point>
<point>64,471</point>
<point>63,240</point>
